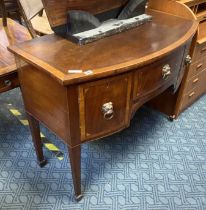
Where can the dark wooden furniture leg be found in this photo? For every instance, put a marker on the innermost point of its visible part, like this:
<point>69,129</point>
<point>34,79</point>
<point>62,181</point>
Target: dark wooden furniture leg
<point>75,161</point>
<point>4,15</point>
<point>35,131</point>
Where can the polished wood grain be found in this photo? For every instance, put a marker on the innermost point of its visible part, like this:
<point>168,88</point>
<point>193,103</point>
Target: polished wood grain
<point>202,33</point>
<point>195,88</point>
<point>178,10</point>
<point>128,70</point>
<point>200,51</point>
<point>42,92</point>
<point>107,56</point>
<point>192,79</point>
<point>115,90</point>
<point>147,81</point>
<point>168,102</point>
<point>196,68</point>
<point>13,33</point>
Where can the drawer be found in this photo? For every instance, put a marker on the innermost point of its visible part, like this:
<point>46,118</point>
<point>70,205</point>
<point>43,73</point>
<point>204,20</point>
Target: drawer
<point>154,76</point>
<point>195,81</point>
<point>196,68</point>
<point>104,106</point>
<point>200,51</point>
<point>199,88</point>
<point>8,82</point>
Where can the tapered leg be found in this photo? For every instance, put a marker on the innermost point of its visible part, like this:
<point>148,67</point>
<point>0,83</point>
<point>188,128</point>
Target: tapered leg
<point>75,161</point>
<point>35,131</point>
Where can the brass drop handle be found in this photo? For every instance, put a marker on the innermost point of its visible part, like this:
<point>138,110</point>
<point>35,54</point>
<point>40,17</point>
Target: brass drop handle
<point>108,111</point>
<point>188,60</point>
<point>166,71</point>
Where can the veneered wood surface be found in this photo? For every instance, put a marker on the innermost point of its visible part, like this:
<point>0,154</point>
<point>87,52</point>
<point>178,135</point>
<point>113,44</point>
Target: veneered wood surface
<point>115,54</point>
<point>12,34</point>
<point>196,68</point>
<point>94,95</point>
<point>202,32</point>
<point>147,81</point>
<point>171,7</point>
<point>47,99</point>
<point>194,90</point>
<point>169,102</point>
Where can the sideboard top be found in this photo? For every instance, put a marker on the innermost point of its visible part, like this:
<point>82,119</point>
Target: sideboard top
<point>109,56</point>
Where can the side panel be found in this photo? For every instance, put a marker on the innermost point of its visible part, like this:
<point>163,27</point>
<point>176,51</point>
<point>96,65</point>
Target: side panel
<point>45,99</point>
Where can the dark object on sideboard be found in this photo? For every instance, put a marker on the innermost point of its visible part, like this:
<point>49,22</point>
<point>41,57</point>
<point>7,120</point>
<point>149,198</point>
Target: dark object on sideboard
<point>133,8</point>
<point>79,21</point>
<point>105,22</point>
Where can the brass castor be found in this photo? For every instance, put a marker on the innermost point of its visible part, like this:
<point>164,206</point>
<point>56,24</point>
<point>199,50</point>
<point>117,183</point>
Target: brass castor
<point>42,163</point>
<point>78,197</point>
<point>171,118</point>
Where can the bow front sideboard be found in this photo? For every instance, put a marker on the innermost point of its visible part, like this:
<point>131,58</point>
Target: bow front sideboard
<point>83,93</point>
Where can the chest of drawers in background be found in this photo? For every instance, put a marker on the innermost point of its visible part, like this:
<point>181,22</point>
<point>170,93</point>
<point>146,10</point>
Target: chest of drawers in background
<point>195,82</point>
<point>193,85</point>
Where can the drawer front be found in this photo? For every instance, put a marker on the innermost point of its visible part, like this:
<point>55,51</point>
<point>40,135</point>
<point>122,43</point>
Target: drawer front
<point>200,52</point>
<point>152,77</point>
<point>8,82</point>
<point>199,88</point>
<point>196,81</point>
<point>196,68</point>
<point>104,106</point>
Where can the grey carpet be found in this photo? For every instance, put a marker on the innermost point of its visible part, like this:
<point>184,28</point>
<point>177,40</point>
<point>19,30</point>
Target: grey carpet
<point>153,165</point>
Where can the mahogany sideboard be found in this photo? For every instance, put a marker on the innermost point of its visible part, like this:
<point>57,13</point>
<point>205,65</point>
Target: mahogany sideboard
<point>116,76</point>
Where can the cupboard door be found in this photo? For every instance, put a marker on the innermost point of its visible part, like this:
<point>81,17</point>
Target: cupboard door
<point>104,106</point>
<point>158,74</point>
